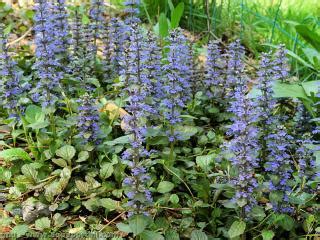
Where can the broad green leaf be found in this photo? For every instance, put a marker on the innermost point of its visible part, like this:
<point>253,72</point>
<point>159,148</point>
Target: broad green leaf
<point>176,15</point>
<point>163,26</point>
<point>186,132</point>
<point>58,220</point>
<point>205,162</point>
<point>42,223</point>
<point>82,186</point>
<point>285,221</point>
<point>237,228</point>
<point>124,227</point>
<point>258,213</point>
<point>283,90</point>
<point>52,190</point>
<point>309,36</point>
<point>311,87</point>
<point>30,172</point>
<point>106,170</point>
<point>165,187</point>
<point>174,198</point>
<point>60,162</point>
<point>83,156</point>
<point>13,154</point>
<point>92,204</point>
<point>110,204</point>
<point>19,230</point>
<point>138,223</point>
<point>198,235</point>
<point>267,235</point>
<point>66,152</point>
<point>148,235</point>
<point>172,235</point>
<point>34,114</point>
<point>120,140</point>
<point>39,125</point>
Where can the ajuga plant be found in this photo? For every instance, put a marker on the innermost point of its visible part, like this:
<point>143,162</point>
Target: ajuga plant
<point>138,87</point>
<point>176,88</point>
<point>275,140</point>
<point>12,88</point>
<point>47,64</point>
<point>62,31</point>
<point>138,90</point>
<point>152,65</point>
<point>235,66</point>
<point>215,77</point>
<point>244,144</point>
<point>83,53</point>
<point>97,23</point>
<point>88,120</point>
<point>266,184</point>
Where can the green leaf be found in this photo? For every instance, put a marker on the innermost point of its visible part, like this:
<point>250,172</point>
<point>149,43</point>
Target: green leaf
<point>124,227</point>
<point>58,220</point>
<point>42,223</point>
<point>205,162</point>
<point>110,204</point>
<point>163,26</point>
<point>186,132</point>
<point>34,114</point>
<point>83,156</point>
<point>285,221</point>
<point>82,186</point>
<point>165,187</point>
<point>237,228</point>
<point>13,154</point>
<point>92,204</point>
<point>174,198</point>
<point>311,87</point>
<point>198,235</point>
<point>283,90</point>
<point>30,172</point>
<point>66,152</point>
<point>147,235</point>
<point>120,140</point>
<point>267,235</point>
<point>38,125</point>
<point>19,230</point>
<point>106,170</point>
<point>172,235</point>
<point>171,7</point>
<point>138,223</point>
<point>176,15</point>
<point>258,213</point>
<point>60,162</point>
<point>309,36</point>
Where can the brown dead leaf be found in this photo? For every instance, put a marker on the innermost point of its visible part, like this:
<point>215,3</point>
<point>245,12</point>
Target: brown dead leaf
<point>115,112</point>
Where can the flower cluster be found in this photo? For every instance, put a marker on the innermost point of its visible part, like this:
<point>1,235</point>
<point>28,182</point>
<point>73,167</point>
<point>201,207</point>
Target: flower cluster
<point>176,88</point>
<point>11,85</point>
<point>138,89</point>
<point>275,141</point>
<point>88,120</point>
<point>97,22</point>
<point>132,9</point>
<point>235,67</point>
<point>62,30</point>
<point>244,145</point>
<point>47,47</point>
<point>215,77</point>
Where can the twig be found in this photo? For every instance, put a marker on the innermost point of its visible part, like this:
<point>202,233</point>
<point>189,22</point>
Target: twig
<point>112,221</point>
<point>20,38</point>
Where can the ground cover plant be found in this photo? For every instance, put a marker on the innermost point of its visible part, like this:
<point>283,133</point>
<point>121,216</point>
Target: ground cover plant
<point>110,126</point>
